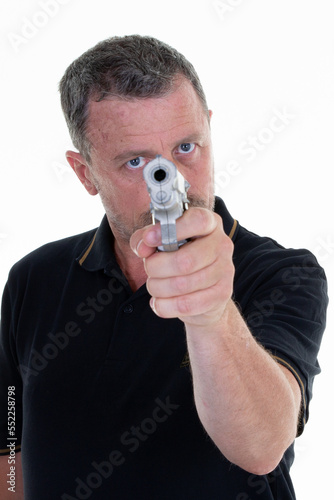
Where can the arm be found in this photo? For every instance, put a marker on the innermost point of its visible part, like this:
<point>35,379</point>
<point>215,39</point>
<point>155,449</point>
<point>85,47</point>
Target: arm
<point>5,494</point>
<point>248,404</point>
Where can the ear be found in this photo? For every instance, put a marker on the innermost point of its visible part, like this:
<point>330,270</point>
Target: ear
<point>82,170</point>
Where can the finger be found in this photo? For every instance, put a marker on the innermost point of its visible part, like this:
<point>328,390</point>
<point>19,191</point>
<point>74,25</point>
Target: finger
<point>144,241</point>
<point>182,285</point>
<point>194,223</point>
<point>191,257</point>
<point>206,304</point>
<point>197,222</point>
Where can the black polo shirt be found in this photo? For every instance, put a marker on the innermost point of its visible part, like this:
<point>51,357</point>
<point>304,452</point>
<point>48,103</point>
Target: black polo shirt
<point>104,404</point>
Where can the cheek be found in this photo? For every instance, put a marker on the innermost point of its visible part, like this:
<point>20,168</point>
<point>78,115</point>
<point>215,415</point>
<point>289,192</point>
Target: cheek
<point>125,196</point>
<point>201,179</point>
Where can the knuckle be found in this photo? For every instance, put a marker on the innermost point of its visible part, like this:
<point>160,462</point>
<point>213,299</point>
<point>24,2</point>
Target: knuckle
<point>217,218</point>
<point>204,219</point>
<point>181,284</point>
<point>184,261</point>
<point>225,247</point>
<point>184,305</point>
<point>232,274</point>
<point>224,291</point>
<point>230,270</point>
<point>228,244</point>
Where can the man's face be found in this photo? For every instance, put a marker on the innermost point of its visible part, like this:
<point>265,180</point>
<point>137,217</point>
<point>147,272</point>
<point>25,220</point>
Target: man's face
<point>126,135</point>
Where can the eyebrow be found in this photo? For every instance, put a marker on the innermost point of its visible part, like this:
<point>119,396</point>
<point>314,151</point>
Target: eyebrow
<point>135,153</point>
<point>132,154</point>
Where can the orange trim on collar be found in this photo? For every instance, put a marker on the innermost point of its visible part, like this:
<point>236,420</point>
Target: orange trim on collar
<point>85,255</point>
<point>234,227</point>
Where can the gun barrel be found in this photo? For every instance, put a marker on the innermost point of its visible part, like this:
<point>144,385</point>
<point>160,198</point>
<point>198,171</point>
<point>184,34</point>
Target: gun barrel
<point>168,191</point>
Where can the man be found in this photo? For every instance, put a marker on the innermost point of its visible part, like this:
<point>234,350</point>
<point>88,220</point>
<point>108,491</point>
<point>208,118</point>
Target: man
<point>156,375</point>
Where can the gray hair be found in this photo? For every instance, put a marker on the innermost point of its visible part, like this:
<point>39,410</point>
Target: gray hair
<point>127,67</point>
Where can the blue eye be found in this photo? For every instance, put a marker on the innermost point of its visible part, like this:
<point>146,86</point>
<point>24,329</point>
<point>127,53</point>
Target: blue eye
<point>186,147</point>
<point>136,162</point>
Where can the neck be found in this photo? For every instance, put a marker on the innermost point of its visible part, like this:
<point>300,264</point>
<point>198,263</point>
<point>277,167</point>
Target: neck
<point>131,265</point>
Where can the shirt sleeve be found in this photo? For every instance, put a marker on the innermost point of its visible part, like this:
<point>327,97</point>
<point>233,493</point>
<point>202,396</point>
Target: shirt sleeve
<point>10,381</point>
<point>286,313</point>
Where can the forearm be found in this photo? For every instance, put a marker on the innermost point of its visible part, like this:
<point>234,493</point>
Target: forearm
<point>243,398</point>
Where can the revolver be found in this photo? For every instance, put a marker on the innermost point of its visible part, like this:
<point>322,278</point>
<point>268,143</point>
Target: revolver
<point>168,191</point>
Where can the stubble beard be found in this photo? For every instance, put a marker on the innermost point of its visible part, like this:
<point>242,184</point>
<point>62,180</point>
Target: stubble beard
<point>123,230</point>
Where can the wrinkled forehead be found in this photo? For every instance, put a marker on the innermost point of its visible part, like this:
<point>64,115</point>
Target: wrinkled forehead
<point>120,119</point>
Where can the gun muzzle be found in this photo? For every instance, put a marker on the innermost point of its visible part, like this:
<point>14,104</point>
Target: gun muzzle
<point>168,191</point>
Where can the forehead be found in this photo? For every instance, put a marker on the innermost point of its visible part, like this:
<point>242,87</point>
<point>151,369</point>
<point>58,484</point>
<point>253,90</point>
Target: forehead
<point>121,122</point>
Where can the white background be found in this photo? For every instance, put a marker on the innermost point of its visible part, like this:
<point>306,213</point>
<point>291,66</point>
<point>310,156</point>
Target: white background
<point>255,58</point>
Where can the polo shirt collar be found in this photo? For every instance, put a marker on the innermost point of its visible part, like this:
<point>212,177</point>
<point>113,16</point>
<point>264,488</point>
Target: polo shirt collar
<point>230,225</point>
<point>99,254</point>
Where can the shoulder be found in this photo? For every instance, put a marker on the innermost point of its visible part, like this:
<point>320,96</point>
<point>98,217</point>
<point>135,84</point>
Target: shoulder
<point>57,256</point>
<point>263,266</point>
<point>264,251</point>
<point>260,261</point>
